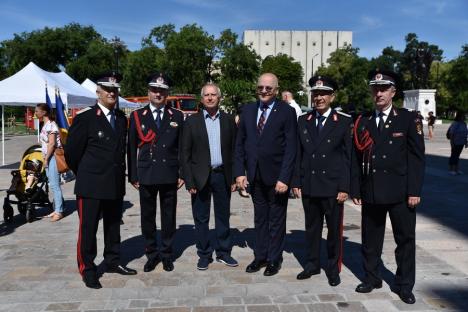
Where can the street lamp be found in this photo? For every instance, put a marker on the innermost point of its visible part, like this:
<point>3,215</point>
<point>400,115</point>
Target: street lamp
<point>118,45</point>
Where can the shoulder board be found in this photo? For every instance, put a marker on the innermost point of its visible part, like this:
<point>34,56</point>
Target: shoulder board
<point>343,114</point>
<point>84,110</point>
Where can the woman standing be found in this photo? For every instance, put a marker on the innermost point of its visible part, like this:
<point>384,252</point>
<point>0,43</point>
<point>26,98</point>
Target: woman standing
<point>458,135</point>
<point>430,124</point>
<point>50,140</point>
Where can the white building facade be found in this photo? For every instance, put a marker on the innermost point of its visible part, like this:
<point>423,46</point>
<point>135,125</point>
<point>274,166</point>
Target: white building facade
<point>310,48</point>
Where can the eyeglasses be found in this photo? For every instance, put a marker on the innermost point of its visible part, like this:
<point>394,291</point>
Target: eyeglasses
<point>266,88</point>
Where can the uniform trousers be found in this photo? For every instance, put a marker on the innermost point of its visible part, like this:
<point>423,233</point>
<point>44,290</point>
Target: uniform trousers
<point>269,219</point>
<point>168,203</point>
<point>216,186</point>
<point>315,210</point>
<point>89,212</point>
<point>403,221</point>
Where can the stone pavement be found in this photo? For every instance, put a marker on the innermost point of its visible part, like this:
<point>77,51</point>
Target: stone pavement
<point>38,269</point>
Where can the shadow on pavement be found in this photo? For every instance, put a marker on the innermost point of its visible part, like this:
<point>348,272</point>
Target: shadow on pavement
<point>444,197</point>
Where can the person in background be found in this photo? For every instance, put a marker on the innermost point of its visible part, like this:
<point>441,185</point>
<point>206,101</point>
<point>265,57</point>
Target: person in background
<point>457,133</point>
<point>288,97</point>
<point>50,140</point>
<point>430,124</point>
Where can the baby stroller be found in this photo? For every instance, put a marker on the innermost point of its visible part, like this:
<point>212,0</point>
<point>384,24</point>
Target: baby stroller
<point>31,173</point>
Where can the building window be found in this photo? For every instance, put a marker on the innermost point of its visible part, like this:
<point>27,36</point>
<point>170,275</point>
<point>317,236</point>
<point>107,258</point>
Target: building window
<point>267,43</point>
<point>282,44</point>
<point>346,43</point>
<point>251,43</point>
<point>314,43</point>
<point>298,43</point>
<point>329,43</point>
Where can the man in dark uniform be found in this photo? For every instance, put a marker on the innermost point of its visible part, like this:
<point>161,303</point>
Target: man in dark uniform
<point>208,153</point>
<point>153,168</point>
<point>322,176</point>
<point>95,152</point>
<point>264,158</point>
<point>387,177</point>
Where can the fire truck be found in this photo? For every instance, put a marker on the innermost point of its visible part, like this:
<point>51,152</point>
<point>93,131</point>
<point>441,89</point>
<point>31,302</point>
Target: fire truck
<point>186,103</point>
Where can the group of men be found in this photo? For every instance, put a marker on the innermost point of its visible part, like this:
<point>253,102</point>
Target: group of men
<point>323,157</point>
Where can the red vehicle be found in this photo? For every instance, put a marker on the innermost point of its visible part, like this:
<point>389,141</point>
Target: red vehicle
<point>186,103</point>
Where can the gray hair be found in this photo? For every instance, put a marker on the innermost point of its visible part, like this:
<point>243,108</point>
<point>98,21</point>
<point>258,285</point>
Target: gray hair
<point>218,90</point>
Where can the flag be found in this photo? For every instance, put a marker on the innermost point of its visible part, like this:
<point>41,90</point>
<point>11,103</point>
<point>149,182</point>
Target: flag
<point>61,117</point>
<point>48,98</point>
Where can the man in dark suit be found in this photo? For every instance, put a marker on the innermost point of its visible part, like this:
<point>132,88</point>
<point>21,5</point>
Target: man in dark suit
<point>322,176</point>
<point>153,168</point>
<point>387,177</point>
<point>95,152</point>
<point>208,151</point>
<point>265,150</point>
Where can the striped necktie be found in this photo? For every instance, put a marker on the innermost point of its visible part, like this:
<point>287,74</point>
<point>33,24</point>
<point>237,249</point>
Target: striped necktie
<point>261,120</point>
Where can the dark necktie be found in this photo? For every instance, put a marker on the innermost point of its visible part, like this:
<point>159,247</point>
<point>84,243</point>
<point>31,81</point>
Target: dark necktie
<point>320,120</point>
<point>261,120</point>
<point>112,118</point>
<point>381,122</point>
<point>158,118</point>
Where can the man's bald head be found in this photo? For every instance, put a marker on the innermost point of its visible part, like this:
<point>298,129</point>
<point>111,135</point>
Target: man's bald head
<point>269,77</point>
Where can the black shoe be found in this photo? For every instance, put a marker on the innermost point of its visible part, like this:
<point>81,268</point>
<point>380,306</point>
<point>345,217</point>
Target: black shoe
<point>334,281</point>
<point>151,264</point>
<point>272,268</point>
<point>227,260</point>
<point>203,263</point>
<point>120,269</point>
<point>307,274</point>
<point>168,265</point>
<point>367,287</point>
<point>407,297</point>
<point>92,282</point>
<point>255,266</point>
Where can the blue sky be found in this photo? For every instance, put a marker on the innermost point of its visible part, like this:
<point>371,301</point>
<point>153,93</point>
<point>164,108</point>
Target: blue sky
<point>375,24</point>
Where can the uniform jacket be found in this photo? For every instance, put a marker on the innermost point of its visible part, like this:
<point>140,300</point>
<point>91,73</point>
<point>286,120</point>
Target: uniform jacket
<point>393,167</point>
<point>96,154</point>
<point>323,160</point>
<point>157,162</point>
<point>196,149</point>
<point>274,151</point>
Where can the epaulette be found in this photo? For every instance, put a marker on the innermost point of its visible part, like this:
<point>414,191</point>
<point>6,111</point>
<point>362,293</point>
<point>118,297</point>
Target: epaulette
<point>84,110</point>
<point>343,114</point>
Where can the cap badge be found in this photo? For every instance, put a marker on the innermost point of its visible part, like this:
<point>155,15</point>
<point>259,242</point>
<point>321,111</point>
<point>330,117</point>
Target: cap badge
<point>160,80</point>
<point>378,77</point>
<point>319,83</point>
<point>112,79</point>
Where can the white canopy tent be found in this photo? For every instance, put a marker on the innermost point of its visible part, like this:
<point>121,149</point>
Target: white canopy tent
<point>27,88</point>
<point>123,103</point>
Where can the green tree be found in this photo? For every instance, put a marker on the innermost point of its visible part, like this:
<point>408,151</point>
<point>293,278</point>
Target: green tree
<point>239,68</point>
<point>457,82</point>
<point>416,61</point>
<point>98,58</point>
<point>138,66</point>
<point>350,72</point>
<point>50,48</point>
<point>288,71</point>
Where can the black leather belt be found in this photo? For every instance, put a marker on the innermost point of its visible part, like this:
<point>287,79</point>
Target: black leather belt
<point>219,169</point>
